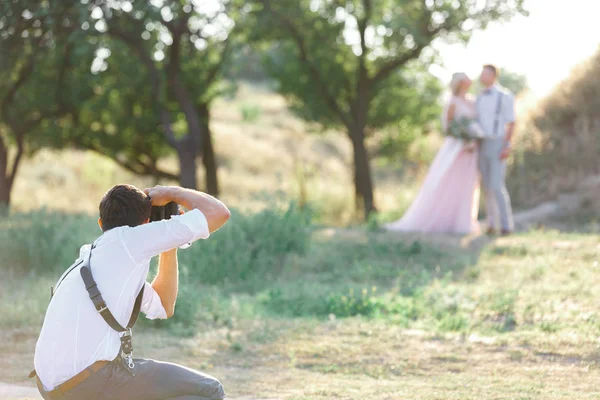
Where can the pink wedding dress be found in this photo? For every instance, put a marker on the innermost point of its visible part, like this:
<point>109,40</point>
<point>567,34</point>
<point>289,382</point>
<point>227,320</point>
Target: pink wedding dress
<point>448,201</point>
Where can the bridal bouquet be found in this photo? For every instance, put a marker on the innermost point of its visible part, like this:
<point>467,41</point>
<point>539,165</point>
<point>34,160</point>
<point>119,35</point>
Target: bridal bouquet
<point>465,129</point>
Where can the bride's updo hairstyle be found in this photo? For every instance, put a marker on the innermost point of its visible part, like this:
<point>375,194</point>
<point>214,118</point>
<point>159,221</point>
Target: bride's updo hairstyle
<point>455,83</point>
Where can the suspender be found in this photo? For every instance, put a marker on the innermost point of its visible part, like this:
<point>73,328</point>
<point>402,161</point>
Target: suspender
<point>497,117</point>
<point>497,114</point>
<point>100,304</point>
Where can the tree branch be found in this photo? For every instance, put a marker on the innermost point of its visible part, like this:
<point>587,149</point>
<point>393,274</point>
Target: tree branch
<point>60,82</point>
<point>182,95</point>
<point>392,65</point>
<point>151,170</point>
<point>362,28</point>
<point>314,71</point>
<point>156,80</point>
<point>389,67</point>
<point>24,74</point>
<point>15,164</point>
<point>214,70</point>
<point>138,167</point>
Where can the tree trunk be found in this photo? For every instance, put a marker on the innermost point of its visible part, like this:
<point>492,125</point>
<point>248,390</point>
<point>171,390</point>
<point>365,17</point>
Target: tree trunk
<point>5,189</point>
<point>5,181</point>
<point>208,152</point>
<point>187,165</point>
<point>363,183</point>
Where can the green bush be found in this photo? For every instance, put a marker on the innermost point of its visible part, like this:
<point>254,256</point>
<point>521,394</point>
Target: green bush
<point>250,113</point>
<point>500,310</point>
<point>250,250</point>
<point>44,242</point>
<point>245,256</point>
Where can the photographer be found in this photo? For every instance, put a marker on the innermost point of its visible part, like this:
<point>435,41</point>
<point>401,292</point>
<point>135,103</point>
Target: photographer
<point>79,354</point>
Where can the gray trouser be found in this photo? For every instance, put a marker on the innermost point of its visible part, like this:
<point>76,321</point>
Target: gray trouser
<point>153,380</point>
<point>493,176</point>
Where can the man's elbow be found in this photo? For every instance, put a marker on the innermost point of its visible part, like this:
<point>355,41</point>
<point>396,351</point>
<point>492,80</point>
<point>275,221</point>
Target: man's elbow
<point>219,218</point>
<point>170,311</point>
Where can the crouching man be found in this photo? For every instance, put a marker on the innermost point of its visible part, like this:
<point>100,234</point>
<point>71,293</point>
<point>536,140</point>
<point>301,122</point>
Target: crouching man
<point>83,354</point>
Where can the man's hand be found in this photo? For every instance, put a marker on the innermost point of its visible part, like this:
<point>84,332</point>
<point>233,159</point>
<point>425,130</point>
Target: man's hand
<point>470,147</point>
<point>505,153</point>
<point>162,195</point>
<point>216,212</point>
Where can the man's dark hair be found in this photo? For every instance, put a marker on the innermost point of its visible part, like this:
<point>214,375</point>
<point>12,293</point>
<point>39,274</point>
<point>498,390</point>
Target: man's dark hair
<point>124,205</point>
<point>492,68</point>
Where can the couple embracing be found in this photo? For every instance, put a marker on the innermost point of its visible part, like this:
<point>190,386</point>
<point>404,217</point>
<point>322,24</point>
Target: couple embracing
<point>448,201</point>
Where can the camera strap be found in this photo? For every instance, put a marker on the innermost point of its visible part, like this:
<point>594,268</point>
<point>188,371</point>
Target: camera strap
<point>109,318</point>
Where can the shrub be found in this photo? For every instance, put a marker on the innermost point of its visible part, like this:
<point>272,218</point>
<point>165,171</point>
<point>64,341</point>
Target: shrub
<point>250,113</point>
<point>499,310</point>
<point>557,146</point>
<point>250,250</point>
<point>44,242</point>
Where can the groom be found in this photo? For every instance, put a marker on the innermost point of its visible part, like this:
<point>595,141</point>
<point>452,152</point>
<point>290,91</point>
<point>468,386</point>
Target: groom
<point>496,110</point>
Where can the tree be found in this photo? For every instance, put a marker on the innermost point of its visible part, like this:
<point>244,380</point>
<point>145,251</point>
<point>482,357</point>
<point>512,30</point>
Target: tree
<point>516,83</point>
<point>161,97</point>
<point>513,81</point>
<point>341,58</point>
<point>34,39</point>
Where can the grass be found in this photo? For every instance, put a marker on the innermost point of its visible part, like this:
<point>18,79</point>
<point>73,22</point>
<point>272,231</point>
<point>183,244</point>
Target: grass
<point>354,314</point>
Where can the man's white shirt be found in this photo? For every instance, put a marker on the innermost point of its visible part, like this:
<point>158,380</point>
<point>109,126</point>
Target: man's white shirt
<point>487,104</point>
<point>74,335</point>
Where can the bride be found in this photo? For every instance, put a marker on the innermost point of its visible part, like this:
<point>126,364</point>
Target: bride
<point>448,201</point>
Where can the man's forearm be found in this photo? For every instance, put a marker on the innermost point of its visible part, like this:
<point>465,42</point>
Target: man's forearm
<point>214,210</point>
<point>166,282</point>
<point>509,132</point>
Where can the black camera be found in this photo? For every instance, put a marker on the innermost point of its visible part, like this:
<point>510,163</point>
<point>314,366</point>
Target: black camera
<point>164,212</point>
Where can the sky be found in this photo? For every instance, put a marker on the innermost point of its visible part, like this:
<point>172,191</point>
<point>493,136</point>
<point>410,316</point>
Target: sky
<point>545,46</point>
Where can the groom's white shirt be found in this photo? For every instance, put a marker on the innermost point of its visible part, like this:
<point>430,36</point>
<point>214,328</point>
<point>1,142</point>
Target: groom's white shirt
<point>487,102</point>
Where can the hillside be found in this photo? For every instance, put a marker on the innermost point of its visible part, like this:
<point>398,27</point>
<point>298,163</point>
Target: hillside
<point>559,142</point>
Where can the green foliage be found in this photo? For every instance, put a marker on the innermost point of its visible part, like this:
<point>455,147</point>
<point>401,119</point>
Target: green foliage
<point>513,81</point>
<point>248,254</point>
<point>500,308</point>
<point>448,307</point>
<point>351,304</point>
<point>250,249</point>
<point>250,112</point>
<point>137,79</point>
<point>35,39</point>
<point>43,242</point>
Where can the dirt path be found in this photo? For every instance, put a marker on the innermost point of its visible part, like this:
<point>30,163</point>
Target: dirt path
<point>10,392</point>
<point>15,392</point>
